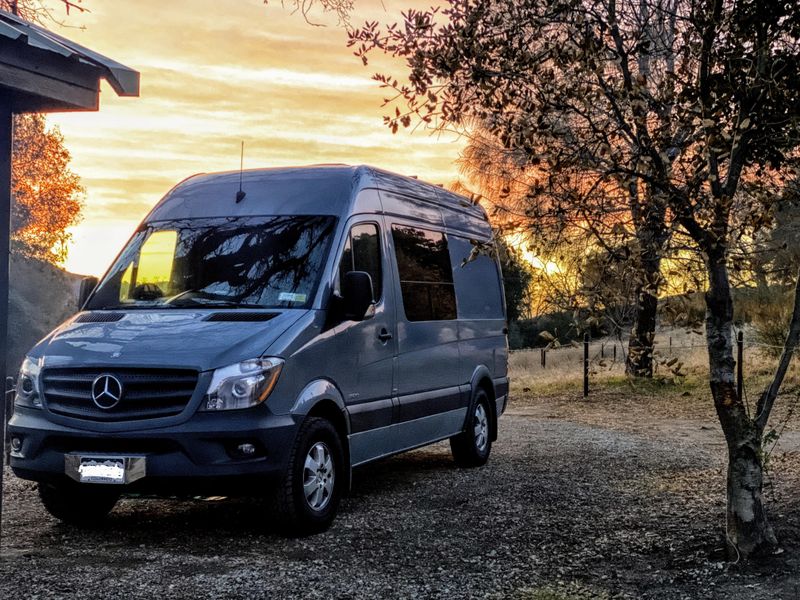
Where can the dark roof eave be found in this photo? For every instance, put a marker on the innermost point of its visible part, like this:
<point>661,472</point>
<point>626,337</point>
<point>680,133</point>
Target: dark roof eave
<point>123,80</point>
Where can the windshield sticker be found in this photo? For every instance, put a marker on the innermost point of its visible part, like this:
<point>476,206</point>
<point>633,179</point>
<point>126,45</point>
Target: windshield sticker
<point>290,297</point>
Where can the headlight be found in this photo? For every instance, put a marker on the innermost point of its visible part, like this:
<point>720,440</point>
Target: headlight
<point>28,384</point>
<point>242,385</point>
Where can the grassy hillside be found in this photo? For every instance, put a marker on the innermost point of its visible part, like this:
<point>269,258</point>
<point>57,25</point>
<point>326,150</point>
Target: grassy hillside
<point>41,297</point>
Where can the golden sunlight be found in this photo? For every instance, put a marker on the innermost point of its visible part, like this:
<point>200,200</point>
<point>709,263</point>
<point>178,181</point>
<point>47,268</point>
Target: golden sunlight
<point>214,77</point>
<point>520,243</point>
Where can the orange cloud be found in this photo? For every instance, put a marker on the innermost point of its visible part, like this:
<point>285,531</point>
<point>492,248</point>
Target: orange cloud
<point>212,77</point>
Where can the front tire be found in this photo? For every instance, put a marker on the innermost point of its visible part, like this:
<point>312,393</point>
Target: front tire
<point>83,505</point>
<point>308,495</point>
<point>471,448</point>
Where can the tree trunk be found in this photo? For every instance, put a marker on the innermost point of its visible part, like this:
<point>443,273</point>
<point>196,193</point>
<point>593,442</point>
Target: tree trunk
<point>651,235</point>
<point>640,346</point>
<point>748,530</point>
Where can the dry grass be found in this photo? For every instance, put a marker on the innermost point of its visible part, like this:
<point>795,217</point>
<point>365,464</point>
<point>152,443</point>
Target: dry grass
<point>562,378</point>
<point>564,366</point>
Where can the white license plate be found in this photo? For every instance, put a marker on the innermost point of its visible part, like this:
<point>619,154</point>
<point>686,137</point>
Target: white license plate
<point>98,470</point>
<point>105,469</point>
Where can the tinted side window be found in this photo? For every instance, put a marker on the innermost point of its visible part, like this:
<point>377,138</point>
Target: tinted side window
<point>426,276</point>
<point>362,252</point>
<point>477,282</point>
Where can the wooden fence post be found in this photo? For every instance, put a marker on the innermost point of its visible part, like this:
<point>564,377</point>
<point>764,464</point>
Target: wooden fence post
<point>740,364</point>
<point>586,364</point>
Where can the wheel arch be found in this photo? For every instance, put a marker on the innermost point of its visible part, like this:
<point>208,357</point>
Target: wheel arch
<point>321,398</point>
<point>482,380</point>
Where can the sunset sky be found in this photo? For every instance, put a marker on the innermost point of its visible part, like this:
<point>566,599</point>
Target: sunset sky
<point>212,77</point>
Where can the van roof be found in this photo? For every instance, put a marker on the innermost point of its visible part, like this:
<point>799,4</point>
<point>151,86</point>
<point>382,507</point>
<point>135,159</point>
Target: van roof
<point>315,189</point>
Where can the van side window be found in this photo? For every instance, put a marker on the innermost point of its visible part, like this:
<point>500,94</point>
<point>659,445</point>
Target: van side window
<point>477,281</point>
<point>426,275</point>
<point>362,252</point>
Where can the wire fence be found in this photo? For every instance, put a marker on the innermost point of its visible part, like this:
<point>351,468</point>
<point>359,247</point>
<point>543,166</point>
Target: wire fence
<point>595,356</point>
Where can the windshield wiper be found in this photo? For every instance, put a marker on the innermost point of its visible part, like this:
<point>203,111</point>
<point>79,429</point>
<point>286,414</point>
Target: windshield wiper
<point>201,303</point>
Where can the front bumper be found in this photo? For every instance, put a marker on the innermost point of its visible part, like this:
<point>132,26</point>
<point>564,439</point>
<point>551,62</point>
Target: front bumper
<point>197,455</point>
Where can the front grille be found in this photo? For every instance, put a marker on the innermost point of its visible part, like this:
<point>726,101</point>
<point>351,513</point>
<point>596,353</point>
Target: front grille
<point>146,393</point>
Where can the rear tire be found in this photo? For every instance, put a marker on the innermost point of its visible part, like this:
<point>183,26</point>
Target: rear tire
<point>83,505</point>
<point>471,448</point>
<point>308,494</point>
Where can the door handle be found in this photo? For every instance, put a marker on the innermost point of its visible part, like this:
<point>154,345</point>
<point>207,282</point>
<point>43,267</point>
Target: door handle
<point>384,335</point>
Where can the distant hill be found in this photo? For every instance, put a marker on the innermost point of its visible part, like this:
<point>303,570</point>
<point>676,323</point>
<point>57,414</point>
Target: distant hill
<point>41,297</point>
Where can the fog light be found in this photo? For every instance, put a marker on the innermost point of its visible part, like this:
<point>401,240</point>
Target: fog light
<point>246,449</point>
<point>16,444</point>
<point>27,385</point>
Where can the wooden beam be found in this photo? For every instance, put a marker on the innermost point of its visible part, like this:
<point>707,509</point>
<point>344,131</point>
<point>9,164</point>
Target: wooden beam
<point>58,92</point>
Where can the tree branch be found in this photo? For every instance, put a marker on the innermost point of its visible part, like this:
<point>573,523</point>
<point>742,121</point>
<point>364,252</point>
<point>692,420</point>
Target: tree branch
<point>767,400</point>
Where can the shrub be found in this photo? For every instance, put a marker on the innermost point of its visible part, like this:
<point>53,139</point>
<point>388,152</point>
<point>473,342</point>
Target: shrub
<point>527,333</point>
<point>770,319</point>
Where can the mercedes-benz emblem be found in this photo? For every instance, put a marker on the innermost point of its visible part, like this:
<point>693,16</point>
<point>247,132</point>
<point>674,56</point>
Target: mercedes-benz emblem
<point>106,391</point>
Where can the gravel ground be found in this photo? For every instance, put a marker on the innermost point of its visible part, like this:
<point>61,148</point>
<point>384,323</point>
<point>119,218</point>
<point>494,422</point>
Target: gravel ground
<point>581,510</point>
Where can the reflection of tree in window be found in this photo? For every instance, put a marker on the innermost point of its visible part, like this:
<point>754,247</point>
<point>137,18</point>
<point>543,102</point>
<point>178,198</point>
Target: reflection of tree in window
<point>426,276</point>
<point>265,261</point>
<point>366,257</point>
<point>254,264</point>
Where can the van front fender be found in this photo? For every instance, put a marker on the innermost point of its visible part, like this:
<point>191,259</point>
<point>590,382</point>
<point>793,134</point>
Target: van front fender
<point>320,390</point>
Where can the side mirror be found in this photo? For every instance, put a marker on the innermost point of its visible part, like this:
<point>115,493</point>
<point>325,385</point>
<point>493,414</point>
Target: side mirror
<point>87,287</point>
<point>357,295</point>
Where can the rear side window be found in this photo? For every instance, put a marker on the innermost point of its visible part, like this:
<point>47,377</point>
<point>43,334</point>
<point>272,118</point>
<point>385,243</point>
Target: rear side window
<point>362,252</point>
<point>426,275</point>
<point>477,282</point>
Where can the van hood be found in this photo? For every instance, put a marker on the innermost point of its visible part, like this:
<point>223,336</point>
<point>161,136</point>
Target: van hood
<point>173,338</point>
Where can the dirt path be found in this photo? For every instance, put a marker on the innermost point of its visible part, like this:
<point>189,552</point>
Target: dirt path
<point>580,508</point>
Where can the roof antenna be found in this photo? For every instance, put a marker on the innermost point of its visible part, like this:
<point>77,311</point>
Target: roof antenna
<point>241,193</point>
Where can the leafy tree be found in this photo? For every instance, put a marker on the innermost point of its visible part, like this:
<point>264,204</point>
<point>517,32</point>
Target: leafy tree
<point>673,102</point>
<point>780,250</point>
<point>47,195</point>
<point>609,284</point>
<point>554,197</point>
<point>516,279</point>
<point>540,81</point>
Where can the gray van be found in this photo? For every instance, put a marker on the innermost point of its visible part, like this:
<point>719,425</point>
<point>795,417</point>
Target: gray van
<point>263,333</point>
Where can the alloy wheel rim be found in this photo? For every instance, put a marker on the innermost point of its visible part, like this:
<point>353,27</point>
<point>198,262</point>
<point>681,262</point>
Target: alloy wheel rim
<point>318,476</point>
<point>481,428</point>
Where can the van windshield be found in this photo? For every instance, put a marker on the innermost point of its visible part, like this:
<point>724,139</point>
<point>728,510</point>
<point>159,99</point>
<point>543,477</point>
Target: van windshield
<point>242,262</point>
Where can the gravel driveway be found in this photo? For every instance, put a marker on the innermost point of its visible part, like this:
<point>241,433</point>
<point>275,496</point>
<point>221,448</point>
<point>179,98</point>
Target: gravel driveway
<point>574,509</point>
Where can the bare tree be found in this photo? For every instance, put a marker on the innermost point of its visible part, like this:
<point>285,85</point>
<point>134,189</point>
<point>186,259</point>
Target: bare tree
<point>340,8</point>
<point>38,11</point>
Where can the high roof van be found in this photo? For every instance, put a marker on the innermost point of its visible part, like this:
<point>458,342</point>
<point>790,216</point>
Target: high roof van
<point>264,333</point>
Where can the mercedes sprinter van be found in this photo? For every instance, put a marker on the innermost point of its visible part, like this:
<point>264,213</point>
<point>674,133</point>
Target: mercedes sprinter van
<point>263,333</point>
